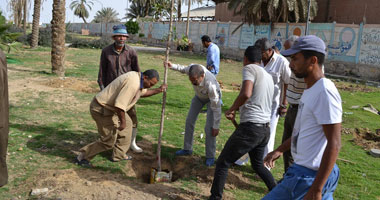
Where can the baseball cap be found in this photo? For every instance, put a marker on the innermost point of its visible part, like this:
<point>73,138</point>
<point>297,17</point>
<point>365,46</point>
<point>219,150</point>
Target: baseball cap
<point>120,30</point>
<point>306,43</point>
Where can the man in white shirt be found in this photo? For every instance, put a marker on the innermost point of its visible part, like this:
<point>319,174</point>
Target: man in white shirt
<point>251,136</point>
<point>278,67</point>
<point>316,138</point>
<point>207,92</point>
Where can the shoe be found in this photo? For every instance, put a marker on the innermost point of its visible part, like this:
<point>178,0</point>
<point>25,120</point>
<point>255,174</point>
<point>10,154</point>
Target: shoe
<point>83,163</point>
<point>183,152</point>
<point>210,162</point>
<point>126,158</point>
<point>134,146</point>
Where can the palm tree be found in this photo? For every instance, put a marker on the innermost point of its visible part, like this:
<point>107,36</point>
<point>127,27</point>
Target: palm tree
<point>80,8</point>
<point>36,22</point>
<point>137,10</point>
<point>106,15</point>
<point>58,32</point>
<point>258,11</point>
<point>16,6</point>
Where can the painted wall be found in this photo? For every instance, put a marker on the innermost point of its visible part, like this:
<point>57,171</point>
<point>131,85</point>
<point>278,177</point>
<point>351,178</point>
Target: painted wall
<point>350,43</point>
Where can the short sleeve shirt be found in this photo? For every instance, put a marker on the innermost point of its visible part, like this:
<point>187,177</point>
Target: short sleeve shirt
<point>319,105</point>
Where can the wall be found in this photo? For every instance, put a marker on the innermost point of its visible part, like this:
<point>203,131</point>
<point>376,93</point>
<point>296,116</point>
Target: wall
<point>349,46</point>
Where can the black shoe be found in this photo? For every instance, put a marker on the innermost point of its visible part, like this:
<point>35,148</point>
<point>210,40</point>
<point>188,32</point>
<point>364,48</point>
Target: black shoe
<point>83,163</point>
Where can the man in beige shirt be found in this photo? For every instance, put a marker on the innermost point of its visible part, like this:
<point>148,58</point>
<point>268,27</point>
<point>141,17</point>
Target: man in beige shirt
<point>108,110</point>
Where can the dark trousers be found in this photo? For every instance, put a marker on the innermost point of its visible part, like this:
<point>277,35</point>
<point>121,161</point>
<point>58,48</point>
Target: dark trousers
<point>248,138</point>
<point>290,118</point>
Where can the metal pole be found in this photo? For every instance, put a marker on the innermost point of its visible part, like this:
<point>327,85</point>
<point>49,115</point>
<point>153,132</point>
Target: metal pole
<point>188,19</point>
<point>308,18</point>
<point>164,93</point>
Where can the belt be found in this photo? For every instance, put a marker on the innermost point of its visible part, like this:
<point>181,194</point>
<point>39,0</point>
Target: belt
<point>293,105</point>
<point>258,124</point>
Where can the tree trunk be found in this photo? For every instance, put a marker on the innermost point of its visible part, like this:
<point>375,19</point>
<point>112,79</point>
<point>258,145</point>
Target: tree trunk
<point>84,20</point>
<point>147,7</point>
<point>179,14</point>
<point>58,31</point>
<point>24,15</point>
<point>36,23</point>
<point>188,19</point>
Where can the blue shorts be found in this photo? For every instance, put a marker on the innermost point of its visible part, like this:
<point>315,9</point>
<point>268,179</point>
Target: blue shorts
<point>297,182</point>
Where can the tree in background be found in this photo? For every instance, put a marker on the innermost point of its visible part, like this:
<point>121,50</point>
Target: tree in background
<point>106,15</point>
<point>36,23</point>
<point>81,8</point>
<point>258,11</point>
<point>58,32</point>
<point>137,10</point>
<point>19,12</point>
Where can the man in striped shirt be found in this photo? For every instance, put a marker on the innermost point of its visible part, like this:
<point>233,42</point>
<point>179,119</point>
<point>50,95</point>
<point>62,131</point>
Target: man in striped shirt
<point>294,92</point>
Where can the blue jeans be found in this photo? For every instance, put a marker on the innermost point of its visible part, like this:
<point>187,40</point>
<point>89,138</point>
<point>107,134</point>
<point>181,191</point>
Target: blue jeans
<point>297,182</point>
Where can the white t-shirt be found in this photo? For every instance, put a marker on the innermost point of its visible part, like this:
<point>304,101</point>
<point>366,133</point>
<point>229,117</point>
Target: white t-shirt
<point>278,68</point>
<point>258,107</point>
<point>319,105</point>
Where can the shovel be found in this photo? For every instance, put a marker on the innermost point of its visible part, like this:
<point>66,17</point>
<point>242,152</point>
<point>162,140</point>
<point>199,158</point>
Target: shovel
<point>156,174</point>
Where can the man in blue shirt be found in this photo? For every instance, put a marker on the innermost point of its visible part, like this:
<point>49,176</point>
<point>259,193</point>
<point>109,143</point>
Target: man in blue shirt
<point>213,55</point>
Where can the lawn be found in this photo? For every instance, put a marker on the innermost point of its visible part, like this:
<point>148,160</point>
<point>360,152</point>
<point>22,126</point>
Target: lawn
<point>50,122</point>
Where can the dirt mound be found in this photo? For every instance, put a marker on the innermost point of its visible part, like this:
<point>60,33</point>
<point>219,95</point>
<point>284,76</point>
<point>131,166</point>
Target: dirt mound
<point>352,87</point>
<point>366,139</point>
<point>74,84</point>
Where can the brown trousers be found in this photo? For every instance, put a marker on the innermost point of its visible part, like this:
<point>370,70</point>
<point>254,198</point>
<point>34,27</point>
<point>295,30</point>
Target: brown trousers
<point>110,137</point>
<point>4,119</point>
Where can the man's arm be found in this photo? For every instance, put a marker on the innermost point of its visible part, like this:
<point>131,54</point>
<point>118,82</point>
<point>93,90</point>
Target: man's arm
<point>102,70</point>
<point>274,155</point>
<point>211,56</point>
<point>176,67</point>
<point>215,106</point>
<point>282,109</point>
<point>134,62</point>
<point>121,115</point>
<point>155,91</point>
<point>244,95</point>
<point>333,135</point>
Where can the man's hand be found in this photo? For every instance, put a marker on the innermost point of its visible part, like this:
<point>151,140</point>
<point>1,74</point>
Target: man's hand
<point>163,87</point>
<point>168,64</point>
<point>271,157</point>
<point>122,125</point>
<point>210,68</point>
<point>215,132</point>
<point>282,111</point>
<point>313,194</point>
<point>230,114</point>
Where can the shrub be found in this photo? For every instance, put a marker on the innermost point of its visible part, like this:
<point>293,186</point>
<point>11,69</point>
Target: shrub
<point>87,43</point>
<point>141,35</point>
<point>44,37</point>
<point>132,27</point>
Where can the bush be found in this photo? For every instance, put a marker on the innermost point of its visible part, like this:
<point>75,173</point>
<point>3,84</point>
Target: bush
<point>87,43</point>
<point>44,37</point>
<point>132,27</point>
<point>141,35</point>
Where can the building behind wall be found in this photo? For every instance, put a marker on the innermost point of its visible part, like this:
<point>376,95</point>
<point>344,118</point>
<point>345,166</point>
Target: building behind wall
<point>340,11</point>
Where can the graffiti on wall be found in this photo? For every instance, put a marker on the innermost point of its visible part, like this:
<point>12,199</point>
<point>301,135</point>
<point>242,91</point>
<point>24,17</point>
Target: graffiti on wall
<point>221,37</point>
<point>246,36</point>
<point>234,37</point>
<point>370,47</point>
<point>278,36</point>
<point>344,44</point>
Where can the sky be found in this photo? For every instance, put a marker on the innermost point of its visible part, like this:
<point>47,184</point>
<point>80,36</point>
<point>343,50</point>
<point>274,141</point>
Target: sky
<point>46,11</point>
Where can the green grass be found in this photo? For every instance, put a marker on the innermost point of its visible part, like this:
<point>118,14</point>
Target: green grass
<point>46,125</point>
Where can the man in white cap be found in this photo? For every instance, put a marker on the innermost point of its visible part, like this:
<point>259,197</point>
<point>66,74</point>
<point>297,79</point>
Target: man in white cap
<point>115,60</point>
<point>316,138</point>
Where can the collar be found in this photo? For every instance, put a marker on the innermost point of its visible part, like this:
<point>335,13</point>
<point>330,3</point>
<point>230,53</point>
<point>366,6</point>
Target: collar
<point>202,84</point>
<point>114,49</point>
<point>209,46</point>
<point>141,81</point>
<point>272,59</point>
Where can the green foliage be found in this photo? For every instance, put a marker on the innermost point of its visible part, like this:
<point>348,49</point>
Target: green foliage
<point>44,37</point>
<point>88,43</point>
<point>6,37</point>
<point>141,35</point>
<point>132,27</point>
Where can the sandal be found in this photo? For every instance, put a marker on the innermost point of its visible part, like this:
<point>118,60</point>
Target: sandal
<point>127,158</point>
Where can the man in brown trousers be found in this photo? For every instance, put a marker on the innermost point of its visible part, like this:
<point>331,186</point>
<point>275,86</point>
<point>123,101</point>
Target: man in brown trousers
<point>108,109</point>
<point>4,119</point>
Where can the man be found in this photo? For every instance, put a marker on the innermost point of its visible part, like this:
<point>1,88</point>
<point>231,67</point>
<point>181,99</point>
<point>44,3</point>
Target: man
<point>115,60</point>
<point>108,110</point>
<point>4,119</point>
<point>315,142</point>
<point>213,55</point>
<point>293,95</point>
<point>278,67</point>
<point>251,136</point>
<point>207,92</point>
